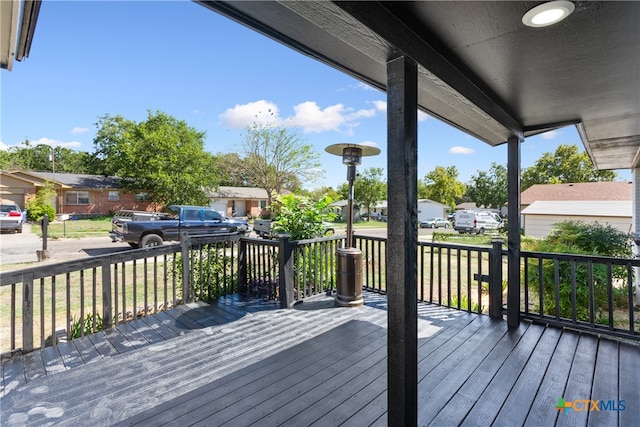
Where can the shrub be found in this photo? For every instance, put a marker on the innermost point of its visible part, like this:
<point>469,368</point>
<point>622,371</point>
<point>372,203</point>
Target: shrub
<point>210,273</point>
<point>41,204</point>
<point>84,326</point>
<point>576,237</point>
<point>299,216</point>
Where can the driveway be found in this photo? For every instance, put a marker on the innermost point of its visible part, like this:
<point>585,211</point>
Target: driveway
<point>21,248</point>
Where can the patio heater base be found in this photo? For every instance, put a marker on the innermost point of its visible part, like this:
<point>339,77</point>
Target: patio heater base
<point>349,280</point>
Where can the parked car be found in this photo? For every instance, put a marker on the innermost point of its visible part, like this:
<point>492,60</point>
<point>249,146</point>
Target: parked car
<point>11,217</point>
<point>436,222</point>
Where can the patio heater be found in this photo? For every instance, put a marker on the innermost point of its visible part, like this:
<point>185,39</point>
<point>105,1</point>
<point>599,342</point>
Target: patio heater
<point>349,259</point>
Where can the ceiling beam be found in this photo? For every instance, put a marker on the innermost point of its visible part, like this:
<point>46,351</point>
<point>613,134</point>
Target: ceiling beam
<point>389,27</point>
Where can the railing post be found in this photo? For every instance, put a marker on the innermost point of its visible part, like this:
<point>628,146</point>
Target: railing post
<point>285,271</point>
<point>107,314</point>
<point>242,266</point>
<point>27,312</point>
<point>495,278</point>
<point>185,242</point>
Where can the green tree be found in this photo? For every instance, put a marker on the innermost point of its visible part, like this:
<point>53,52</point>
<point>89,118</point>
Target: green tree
<point>566,165</point>
<point>369,188</point>
<point>275,158</point>
<point>489,188</point>
<point>161,155</point>
<point>320,193</point>
<point>442,186</point>
<point>228,172</point>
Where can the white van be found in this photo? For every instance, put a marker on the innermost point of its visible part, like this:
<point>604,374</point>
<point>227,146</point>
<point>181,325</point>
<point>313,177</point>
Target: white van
<point>476,221</point>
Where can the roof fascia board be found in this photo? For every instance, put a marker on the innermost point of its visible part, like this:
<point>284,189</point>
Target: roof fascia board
<point>9,15</point>
<point>30,12</point>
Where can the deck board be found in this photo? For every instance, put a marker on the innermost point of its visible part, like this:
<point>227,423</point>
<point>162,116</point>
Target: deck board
<point>629,378</point>
<point>580,381</point>
<point>247,362</point>
<point>553,384</point>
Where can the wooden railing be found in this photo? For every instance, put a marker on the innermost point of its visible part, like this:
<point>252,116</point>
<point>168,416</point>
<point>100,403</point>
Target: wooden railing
<point>42,304</point>
<point>46,303</point>
<point>451,275</point>
<point>583,292</point>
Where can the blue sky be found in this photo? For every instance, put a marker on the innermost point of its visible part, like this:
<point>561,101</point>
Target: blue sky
<point>93,58</point>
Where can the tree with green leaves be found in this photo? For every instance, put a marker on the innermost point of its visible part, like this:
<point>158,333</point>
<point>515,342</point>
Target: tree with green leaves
<point>320,193</point>
<point>566,165</point>
<point>277,158</point>
<point>45,158</point>
<point>442,185</point>
<point>489,188</point>
<point>161,155</point>
<point>227,171</point>
<point>369,188</point>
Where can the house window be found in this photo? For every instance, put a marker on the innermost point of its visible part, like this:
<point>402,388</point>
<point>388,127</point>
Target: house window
<point>143,197</point>
<point>76,198</point>
<point>263,204</point>
<point>114,196</point>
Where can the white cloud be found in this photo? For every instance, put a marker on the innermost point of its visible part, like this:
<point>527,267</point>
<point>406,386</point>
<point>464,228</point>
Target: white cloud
<point>79,131</point>
<point>45,141</point>
<point>308,116</point>
<point>380,106</point>
<point>461,150</point>
<point>364,86</point>
<point>313,119</point>
<point>550,135</point>
<point>422,116</point>
<point>240,116</point>
<point>55,143</point>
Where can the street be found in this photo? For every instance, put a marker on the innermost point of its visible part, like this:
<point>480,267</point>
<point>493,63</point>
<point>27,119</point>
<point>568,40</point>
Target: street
<point>21,248</point>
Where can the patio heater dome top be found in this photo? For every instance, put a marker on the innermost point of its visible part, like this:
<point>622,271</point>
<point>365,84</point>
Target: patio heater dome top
<point>367,150</point>
<point>352,153</point>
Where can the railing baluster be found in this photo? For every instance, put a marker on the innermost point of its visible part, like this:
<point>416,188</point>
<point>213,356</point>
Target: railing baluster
<point>68,316</point>
<point>27,312</point>
<point>69,333</point>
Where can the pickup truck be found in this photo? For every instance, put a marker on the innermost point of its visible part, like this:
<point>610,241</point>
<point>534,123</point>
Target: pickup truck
<point>262,227</point>
<point>145,229</point>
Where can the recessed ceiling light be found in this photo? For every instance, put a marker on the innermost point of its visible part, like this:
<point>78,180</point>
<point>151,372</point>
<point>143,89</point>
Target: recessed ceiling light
<point>546,14</point>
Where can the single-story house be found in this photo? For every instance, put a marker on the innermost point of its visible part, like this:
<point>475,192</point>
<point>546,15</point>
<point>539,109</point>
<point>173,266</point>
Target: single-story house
<point>428,209</point>
<point>340,208</point>
<point>539,218</point>
<point>544,205</point>
<point>239,201</point>
<point>76,194</point>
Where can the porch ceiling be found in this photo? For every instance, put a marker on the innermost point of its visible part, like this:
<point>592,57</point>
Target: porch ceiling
<point>480,69</point>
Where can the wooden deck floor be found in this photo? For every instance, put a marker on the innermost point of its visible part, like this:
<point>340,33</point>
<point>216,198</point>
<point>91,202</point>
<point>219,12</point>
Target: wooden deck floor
<point>241,363</point>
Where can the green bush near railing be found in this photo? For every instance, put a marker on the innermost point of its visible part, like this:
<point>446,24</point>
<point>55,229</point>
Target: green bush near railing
<point>212,274</point>
<point>576,237</point>
<point>89,325</point>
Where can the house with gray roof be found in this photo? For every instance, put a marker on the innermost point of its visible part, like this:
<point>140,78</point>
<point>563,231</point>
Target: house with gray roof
<point>545,205</point>
<point>239,201</point>
<point>76,194</point>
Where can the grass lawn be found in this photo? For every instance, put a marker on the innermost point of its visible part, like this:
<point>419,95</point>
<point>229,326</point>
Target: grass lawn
<point>92,227</point>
